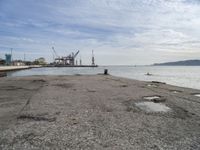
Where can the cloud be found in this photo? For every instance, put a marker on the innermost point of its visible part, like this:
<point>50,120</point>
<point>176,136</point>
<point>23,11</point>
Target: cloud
<point>113,28</point>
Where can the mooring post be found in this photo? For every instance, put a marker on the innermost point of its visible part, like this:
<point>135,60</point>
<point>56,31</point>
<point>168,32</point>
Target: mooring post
<point>105,71</point>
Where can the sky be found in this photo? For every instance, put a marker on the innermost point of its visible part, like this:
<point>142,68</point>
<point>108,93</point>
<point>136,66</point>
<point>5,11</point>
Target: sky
<point>121,32</point>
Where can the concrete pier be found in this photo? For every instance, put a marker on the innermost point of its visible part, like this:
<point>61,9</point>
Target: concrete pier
<point>14,68</point>
<point>96,112</point>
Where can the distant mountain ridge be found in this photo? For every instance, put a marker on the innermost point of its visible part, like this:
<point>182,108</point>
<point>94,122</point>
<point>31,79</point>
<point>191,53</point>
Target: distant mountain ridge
<point>180,63</point>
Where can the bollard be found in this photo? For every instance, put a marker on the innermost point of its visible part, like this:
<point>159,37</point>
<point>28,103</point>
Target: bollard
<point>105,71</point>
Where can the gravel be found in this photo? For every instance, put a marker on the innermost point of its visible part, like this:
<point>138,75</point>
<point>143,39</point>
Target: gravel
<point>95,112</point>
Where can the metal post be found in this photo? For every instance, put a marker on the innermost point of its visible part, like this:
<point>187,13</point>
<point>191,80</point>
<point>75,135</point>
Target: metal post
<point>11,55</point>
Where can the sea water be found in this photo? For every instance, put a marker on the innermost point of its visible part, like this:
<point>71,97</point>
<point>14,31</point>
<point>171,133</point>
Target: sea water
<point>184,76</point>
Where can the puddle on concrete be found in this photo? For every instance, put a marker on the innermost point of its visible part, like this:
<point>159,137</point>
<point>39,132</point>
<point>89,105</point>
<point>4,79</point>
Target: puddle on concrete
<point>151,85</point>
<point>152,107</point>
<point>155,99</point>
<point>198,95</point>
<point>175,92</point>
<point>151,97</point>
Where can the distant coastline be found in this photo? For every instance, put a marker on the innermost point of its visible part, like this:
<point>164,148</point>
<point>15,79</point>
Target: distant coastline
<point>180,63</point>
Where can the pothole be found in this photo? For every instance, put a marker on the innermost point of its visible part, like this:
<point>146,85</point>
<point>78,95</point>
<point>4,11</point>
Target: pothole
<point>36,118</point>
<point>64,85</point>
<point>197,95</point>
<point>152,107</point>
<point>155,98</point>
<point>39,80</point>
<point>124,85</point>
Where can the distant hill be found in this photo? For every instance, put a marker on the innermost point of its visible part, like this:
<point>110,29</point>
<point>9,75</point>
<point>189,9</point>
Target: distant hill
<point>180,63</point>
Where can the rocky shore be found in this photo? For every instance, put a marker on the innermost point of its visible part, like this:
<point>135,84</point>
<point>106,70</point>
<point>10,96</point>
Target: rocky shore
<point>97,112</point>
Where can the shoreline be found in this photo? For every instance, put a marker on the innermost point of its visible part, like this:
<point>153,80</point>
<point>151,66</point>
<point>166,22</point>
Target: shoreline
<point>16,68</point>
<point>12,68</point>
<point>102,74</point>
<point>177,77</point>
<point>96,112</point>
<point>5,69</point>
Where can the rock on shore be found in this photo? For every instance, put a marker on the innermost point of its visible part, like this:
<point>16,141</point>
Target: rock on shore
<point>96,112</point>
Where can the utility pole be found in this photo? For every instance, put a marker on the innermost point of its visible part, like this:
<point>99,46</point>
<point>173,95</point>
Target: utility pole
<point>80,61</point>
<point>11,55</point>
<point>24,57</point>
<point>53,58</point>
<point>93,63</point>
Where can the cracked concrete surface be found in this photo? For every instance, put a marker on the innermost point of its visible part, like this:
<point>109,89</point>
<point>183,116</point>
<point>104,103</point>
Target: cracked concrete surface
<point>95,112</point>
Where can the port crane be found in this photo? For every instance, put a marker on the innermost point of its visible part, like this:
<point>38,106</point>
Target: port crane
<point>54,52</point>
<point>70,59</point>
<point>55,55</point>
<point>65,60</point>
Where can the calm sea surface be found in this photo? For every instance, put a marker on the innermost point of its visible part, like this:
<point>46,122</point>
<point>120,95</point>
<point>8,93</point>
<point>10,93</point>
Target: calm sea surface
<point>185,76</point>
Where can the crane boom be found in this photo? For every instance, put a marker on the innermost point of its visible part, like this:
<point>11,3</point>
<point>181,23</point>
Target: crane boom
<point>54,52</point>
<point>76,54</point>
